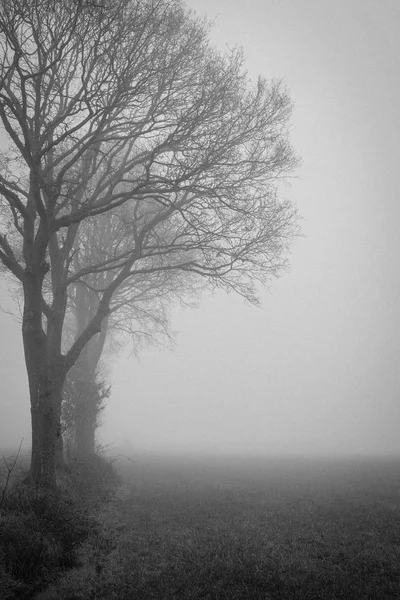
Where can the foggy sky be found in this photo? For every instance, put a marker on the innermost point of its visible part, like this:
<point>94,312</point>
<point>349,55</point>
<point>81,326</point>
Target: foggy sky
<point>317,368</point>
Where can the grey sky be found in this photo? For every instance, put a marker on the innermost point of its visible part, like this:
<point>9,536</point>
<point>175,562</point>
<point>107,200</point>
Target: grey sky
<point>317,369</point>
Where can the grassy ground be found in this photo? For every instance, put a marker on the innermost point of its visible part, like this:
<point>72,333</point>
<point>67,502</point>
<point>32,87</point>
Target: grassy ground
<point>230,529</point>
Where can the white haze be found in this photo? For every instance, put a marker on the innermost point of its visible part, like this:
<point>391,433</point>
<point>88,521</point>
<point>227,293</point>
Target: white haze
<point>316,370</point>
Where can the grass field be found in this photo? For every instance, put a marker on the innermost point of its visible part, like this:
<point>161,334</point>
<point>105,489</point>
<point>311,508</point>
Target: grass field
<point>253,529</point>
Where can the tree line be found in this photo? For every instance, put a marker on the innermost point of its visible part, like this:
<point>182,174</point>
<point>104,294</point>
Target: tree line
<point>138,166</point>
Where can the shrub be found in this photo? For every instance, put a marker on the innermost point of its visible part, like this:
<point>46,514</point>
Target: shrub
<point>42,531</point>
<point>39,534</point>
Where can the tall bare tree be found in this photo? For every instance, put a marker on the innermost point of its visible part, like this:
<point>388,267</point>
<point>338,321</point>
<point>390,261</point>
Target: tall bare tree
<point>126,103</point>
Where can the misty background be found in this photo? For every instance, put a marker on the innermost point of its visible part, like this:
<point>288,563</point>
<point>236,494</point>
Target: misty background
<point>316,370</point>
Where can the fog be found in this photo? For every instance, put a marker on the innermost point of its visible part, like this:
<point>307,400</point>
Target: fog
<point>316,369</point>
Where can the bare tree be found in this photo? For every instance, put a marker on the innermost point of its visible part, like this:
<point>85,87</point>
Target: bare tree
<point>126,104</point>
<point>139,310</point>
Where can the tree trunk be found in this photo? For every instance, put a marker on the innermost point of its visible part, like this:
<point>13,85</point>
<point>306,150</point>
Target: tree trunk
<point>45,432</point>
<point>48,433</point>
<point>87,407</point>
<point>45,375</point>
<point>34,339</point>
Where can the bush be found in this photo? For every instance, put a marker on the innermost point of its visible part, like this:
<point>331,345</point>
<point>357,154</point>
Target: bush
<point>42,531</point>
<point>39,534</point>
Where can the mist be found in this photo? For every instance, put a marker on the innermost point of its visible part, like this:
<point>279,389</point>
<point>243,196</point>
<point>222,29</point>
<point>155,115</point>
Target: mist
<point>316,369</point>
